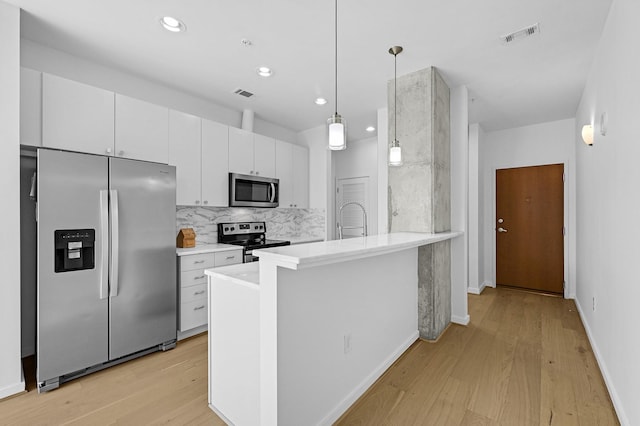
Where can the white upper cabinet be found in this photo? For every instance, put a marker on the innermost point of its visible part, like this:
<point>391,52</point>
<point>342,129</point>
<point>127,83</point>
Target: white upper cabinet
<point>264,155</point>
<point>76,116</point>
<point>300,177</point>
<point>215,164</point>
<point>30,107</point>
<point>284,172</point>
<point>251,154</point>
<point>184,153</point>
<point>292,169</point>
<point>142,130</point>
<point>240,151</point>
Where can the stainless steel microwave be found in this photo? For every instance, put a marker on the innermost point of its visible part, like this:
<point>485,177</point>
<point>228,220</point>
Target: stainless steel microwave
<point>252,191</point>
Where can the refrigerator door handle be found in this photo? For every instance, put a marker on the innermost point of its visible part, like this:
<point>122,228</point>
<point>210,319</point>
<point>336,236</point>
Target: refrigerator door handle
<point>104,249</point>
<point>113,195</point>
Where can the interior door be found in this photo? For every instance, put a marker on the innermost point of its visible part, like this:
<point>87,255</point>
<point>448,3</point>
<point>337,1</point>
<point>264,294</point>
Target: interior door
<point>529,227</point>
<point>142,306</point>
<point>351,219</point>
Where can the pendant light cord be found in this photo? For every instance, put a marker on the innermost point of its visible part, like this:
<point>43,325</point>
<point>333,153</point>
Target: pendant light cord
<point>336,53</point>
<point>395,97</point>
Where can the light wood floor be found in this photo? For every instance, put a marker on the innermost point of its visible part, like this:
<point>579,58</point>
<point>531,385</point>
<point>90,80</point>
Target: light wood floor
<point>523,360</point>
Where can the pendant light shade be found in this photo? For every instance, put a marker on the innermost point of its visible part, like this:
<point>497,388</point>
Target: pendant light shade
<point>395,151</point>
<point>336,125</point>
<point>395,154</point>
<point>337,133</point>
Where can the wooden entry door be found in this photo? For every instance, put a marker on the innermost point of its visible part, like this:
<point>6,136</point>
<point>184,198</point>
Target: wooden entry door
<point>529,227</point>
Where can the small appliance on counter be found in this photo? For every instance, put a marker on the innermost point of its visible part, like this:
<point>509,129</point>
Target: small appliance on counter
<point>249,235</point>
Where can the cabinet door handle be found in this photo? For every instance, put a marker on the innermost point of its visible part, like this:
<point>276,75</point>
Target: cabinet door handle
<point>198,292</point>
<point>197,201</point>
<point>230,257</point>
<point>197,262</point>
<point>200,277</point>
<point>206,202</point>
<point>121,153</point>
<point>197,308</point>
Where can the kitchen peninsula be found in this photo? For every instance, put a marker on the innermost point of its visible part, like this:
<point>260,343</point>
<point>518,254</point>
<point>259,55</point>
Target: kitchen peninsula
<point>299,336</point>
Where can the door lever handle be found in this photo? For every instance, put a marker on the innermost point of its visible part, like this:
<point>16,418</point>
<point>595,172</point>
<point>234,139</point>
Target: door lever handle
<point>501,229</point>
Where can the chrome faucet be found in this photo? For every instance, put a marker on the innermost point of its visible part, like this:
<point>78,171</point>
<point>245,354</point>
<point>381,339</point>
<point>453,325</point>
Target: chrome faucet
<point>364,219</point>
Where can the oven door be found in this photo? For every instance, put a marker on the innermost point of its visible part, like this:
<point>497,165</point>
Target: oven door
<point>249,257</point>
<point>252,191</point>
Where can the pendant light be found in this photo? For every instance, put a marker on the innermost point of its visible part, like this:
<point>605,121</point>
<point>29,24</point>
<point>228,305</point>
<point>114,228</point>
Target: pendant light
<point>395,152</point>
<point>336,126</point>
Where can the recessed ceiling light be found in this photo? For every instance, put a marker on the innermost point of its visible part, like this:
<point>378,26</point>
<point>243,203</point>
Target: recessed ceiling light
<point>172,24</point>
<point>264,72</point>
<point>370,129</point>
<point>321,101</point>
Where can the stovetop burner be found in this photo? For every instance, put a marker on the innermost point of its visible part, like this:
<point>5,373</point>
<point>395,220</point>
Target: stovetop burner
<point>250,235</point>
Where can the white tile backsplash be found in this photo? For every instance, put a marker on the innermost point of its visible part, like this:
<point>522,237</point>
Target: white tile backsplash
<point>281,223</point>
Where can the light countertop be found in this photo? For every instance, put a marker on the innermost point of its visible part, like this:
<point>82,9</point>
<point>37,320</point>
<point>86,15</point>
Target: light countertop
<point>299,240</point>
<point>206,248</point>
<point>247,274</point>
<point>320,253</point>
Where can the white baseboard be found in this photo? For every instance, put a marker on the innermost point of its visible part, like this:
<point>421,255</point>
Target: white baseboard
<point>460,320</point>
<point>12,389</point>
<point>617,404</point>
<point>222,417</point>
<point>353,396</point>
<point>479,290</point>
<point>189,333</point>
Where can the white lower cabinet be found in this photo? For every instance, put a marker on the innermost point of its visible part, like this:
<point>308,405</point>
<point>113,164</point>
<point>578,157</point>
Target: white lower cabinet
<point>192,286</point>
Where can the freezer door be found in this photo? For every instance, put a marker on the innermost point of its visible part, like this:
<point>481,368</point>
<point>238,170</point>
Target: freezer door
<point>143,288</point>
<point>71,316</point>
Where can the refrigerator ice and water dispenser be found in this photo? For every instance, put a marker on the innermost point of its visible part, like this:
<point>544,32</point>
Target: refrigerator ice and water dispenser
<point>74,249</point>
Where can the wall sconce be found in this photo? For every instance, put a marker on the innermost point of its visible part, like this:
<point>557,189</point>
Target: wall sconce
<point>587,134</point>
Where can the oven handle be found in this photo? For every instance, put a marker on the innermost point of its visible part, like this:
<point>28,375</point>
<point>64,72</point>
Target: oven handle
<point>272,191</point>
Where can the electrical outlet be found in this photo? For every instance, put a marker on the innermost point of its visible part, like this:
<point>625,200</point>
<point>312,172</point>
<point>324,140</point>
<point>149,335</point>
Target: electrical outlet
<point>347,343</point>
<point>594,303</point>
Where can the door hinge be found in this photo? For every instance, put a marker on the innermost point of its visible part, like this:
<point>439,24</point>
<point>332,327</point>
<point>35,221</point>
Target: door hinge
<point>563,176</point>
<point>563,231</point>
<point>338,190</point>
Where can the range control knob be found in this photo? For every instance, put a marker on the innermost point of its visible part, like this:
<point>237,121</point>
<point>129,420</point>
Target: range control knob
<point>233,229</point>
<point>226,228</point>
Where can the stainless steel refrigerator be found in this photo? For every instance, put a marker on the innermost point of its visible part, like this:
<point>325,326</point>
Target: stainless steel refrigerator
<point>106,288</point>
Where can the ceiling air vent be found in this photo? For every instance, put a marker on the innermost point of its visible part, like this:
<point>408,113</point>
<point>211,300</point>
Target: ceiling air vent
<point>242,92</point>
<point>522,33</point>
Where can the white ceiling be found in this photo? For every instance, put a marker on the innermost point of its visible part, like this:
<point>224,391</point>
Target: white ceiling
<point>529,81</point>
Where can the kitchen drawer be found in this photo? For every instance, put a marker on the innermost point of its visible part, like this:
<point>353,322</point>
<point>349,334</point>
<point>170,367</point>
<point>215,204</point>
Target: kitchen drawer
<point>228,257</point>
<point>193,314</point>
<point>191,278</point>
<point>197,261</point>
<point>196,292</point>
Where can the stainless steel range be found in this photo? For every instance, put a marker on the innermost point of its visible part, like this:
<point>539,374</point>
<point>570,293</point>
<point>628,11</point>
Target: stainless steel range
<point>249,235</point>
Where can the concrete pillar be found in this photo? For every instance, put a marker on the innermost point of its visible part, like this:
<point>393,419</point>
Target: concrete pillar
<point>420,189</point>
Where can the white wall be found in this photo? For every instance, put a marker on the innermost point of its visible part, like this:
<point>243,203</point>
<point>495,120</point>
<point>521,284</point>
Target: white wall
<point>608,204</point>
<point>57,62</point>
<point>476,184</point>
<point>546,143</point>
<point>10,367</point>
<point>475,282</point>
<point>360,160</point>
<point>383,171</point>
<point>319,173</point>
<point>459,163</point>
